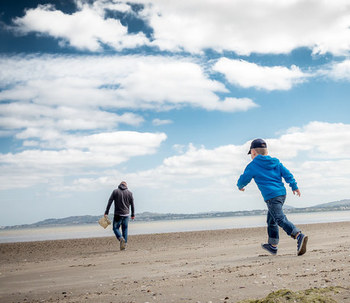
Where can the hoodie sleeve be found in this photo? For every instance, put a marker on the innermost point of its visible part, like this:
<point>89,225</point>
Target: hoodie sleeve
<point>132,206</point>
<point>245,178</point>
<point>111,198</point>
<point>288,177</point>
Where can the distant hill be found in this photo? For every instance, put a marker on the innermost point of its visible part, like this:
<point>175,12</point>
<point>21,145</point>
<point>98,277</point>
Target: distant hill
<point>331,206</point>
<point>148,216</point>
<point>74,220</point>
<point>341,203</point>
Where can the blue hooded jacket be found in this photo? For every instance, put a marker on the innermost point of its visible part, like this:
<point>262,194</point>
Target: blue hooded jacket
<point>267,173</point>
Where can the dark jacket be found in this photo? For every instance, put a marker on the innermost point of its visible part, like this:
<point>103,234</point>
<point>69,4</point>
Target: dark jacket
<point>123,199</point>
<point>267,173</point>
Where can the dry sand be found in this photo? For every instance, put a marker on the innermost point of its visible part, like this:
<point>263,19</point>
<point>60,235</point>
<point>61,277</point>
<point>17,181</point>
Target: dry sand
<point>217,266</point>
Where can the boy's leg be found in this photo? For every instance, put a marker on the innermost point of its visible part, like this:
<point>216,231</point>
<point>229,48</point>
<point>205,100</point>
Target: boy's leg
<point>272,230</point>
<point>116,225</point>
<point>301,244</point>
<point>275,209</point>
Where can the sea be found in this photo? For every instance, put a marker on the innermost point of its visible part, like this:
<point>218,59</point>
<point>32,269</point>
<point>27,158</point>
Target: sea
<point>166,226</point>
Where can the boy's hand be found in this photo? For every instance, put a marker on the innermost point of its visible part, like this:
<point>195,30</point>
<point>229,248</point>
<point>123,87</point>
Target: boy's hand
<point>242,189</point>
<point>297,191</point>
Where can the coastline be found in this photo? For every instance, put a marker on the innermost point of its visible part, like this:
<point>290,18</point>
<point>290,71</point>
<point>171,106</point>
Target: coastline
<point>198,266</point>
<point>166,226</point>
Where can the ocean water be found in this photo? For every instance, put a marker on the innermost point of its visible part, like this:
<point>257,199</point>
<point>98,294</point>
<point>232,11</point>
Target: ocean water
<point>137,228</point>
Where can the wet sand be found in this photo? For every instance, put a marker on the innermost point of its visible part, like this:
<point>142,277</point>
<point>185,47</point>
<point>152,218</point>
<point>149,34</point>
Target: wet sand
<point>217,266</point>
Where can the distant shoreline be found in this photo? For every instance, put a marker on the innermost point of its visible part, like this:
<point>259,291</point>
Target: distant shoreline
<point>91,230</point>
<point>151,217</point>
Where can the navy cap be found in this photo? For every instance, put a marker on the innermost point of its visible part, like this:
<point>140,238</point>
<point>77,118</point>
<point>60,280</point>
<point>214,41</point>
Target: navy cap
<point>257,143</point>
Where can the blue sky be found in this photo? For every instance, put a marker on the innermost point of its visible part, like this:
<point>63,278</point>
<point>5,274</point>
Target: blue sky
<point>96,92</point>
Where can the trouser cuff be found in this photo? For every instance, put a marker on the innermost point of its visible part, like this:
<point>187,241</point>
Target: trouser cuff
<point>295,232</point>
<point>273,241</point>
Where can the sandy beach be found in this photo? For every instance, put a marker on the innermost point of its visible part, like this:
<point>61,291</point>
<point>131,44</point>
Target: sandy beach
<point>206,266</point>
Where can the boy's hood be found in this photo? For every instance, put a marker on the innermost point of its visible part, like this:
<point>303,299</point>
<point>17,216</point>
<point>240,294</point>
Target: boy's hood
<point>266,161</point>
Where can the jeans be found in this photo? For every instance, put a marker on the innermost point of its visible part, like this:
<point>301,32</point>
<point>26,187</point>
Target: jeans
<point>275,218</point>
<point>123,222</point>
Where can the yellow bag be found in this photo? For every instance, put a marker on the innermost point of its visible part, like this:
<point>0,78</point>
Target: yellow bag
<point>104,222</point>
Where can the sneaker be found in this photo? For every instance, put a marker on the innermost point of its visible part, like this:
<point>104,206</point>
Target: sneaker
<point>302,241</point>
<point>271,249</point>
<point>122,244</point>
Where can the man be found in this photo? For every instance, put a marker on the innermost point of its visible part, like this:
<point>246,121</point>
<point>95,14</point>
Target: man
<point>122,199</point>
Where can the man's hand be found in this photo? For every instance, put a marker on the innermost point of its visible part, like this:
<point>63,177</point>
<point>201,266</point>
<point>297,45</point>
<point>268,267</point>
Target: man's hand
<point>297,191</point>
<point>242,189</point>
<point>106,216</point>
<point>133,218</point>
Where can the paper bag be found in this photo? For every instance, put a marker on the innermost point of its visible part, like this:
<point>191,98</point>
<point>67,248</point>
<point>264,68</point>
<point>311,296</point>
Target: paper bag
<point>104,222</point>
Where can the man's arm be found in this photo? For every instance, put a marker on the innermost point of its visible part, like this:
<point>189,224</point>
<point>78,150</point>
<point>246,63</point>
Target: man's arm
<point>132,206</point>
<point>111,198</point>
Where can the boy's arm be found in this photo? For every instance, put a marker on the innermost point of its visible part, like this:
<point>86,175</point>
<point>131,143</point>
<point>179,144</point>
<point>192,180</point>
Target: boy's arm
<point>288,177</point>
<point>244,179</point>
<point>297,192</point>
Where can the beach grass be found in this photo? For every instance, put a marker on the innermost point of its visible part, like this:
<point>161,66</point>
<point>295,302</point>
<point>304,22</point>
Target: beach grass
<point>312,295</point>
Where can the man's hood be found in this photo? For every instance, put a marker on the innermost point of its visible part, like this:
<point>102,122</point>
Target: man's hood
<point>266,161</point>
<point>122,186</point>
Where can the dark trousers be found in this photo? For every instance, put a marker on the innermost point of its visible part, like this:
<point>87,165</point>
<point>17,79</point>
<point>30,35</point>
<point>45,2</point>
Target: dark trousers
<point>123,222</point>
<point>276,218</point>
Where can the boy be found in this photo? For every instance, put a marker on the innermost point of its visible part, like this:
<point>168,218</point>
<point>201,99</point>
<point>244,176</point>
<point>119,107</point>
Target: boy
<point>267,173</point>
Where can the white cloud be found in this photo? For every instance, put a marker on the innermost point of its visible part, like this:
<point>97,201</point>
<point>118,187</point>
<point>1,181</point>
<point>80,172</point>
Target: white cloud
<point>325,143</point>
<point>85,29</point>
<point>25,115</point>
<point>250,26</point>
<point>120,82</point>
<point>233,105</point>
<point>320,140</point>
<point>68,155</point>
<point>159,122</point>
<point>247,74</point>
<point>163,83</point>
<point>339,71</point>
<point>322,26</point>
<point>316,154</point>
<point>64,107</point>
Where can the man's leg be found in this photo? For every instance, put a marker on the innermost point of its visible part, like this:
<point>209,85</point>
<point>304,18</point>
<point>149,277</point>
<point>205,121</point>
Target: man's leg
<point>125,223</point>
<point>117,221</point>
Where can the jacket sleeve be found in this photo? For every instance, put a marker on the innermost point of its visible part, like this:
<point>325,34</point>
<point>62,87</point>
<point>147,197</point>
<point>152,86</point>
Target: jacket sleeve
<point>288,177</point>
<point>245,178</point>
<point>111,198</point>
<point>132,205</point>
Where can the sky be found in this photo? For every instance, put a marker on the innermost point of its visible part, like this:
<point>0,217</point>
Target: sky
<point>167,95</point>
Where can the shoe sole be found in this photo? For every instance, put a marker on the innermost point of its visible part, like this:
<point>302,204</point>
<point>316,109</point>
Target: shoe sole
<point>302,249</point>
<point>272,253</point>
<point>122,244</point>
